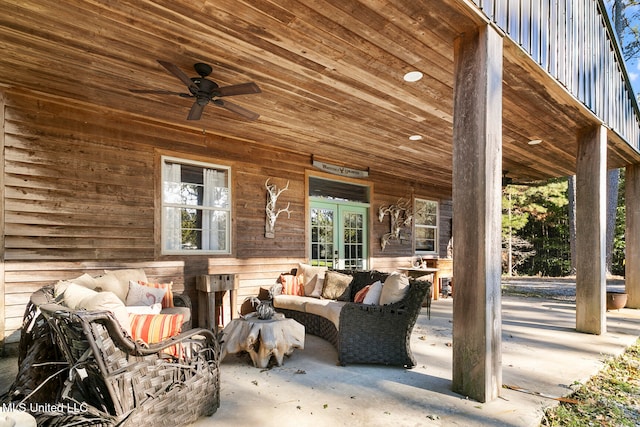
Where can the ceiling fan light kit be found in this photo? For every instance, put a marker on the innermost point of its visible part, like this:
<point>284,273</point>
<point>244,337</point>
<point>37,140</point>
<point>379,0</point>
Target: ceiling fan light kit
<point>205,91</point>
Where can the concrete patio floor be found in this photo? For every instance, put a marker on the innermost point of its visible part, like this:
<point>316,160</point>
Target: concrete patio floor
<point>541,352</point>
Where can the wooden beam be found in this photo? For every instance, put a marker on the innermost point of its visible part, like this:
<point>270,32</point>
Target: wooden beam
<point>477,158</point>
<point>591,179</point>
<point>632,236</point>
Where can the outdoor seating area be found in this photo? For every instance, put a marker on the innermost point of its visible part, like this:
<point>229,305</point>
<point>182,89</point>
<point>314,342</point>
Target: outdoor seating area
<point>223,147</point>
<point>542,354</point>
<point>88,359</point>
<point>363,328</point>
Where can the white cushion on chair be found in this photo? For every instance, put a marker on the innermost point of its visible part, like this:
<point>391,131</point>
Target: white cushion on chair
<point>394,289</point>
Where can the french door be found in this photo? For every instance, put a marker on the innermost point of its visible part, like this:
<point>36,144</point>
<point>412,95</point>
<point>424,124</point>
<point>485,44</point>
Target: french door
<point>339,235</point>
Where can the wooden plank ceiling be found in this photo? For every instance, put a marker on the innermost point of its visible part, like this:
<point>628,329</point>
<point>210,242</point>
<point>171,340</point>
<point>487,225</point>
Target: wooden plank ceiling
<point>330,73</point>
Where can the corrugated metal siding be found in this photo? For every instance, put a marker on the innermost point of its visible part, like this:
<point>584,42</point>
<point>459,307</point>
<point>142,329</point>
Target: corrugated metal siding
<point>571,40</point>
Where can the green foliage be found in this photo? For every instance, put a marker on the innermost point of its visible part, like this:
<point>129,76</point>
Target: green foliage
<point>618,255</point>
<point>539,216</point>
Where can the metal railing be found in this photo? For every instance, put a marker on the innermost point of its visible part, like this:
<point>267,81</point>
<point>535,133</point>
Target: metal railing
<point>573,41</point>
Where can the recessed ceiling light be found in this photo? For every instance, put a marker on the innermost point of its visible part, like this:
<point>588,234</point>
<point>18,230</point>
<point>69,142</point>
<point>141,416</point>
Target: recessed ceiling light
<point>415,137</point>
<point>412,76</point>
<point>534,142</point>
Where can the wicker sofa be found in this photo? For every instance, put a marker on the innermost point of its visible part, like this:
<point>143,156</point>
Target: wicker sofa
<point>362,333</point>
<point>79,367</point>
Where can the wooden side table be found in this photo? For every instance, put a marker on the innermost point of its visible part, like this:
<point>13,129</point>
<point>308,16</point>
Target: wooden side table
<point>211,289</point>
<point>262,339</point>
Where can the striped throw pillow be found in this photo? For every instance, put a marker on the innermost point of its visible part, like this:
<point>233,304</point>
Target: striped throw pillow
<point>292,285</point>
<point>155,328</point>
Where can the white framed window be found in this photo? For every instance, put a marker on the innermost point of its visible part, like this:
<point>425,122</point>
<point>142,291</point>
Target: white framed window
<point>426,226</point>
<point>196,207</point>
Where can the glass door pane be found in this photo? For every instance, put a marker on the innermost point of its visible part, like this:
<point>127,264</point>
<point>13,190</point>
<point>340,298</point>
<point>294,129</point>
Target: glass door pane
<point>353,247</point>
<point>323,234</point>
<point>339,235</point>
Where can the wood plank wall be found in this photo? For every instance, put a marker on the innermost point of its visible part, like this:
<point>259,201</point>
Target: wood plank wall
<point>81,190</point>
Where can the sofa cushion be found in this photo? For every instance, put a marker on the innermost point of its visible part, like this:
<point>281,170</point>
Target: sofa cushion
<point>155,328</point>
<point>167,300</point>
<point>184,311</point>
<point>291,302</point>
<point>361,294</point>
<point>394,289</point>
<point>85,280</point>
<point>362,278</point>
<point>110,283</point>
<point>122,278</point>
<point>313,278</point>
<point>336,286</point>
<point>144,309</point>
<point>373,295</point>
<point>71,294</point>
<point>106,301</point>
<point>144,295</point>
<point>329,309</point>
<point>291,285</point>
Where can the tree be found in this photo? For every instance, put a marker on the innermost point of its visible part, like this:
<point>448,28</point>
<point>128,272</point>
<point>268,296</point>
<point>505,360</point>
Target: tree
<point>626,14</point>
<point>571,198</point>
<point>535,222</point>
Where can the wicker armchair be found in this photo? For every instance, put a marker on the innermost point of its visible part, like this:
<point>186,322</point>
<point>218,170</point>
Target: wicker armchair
<point>381,333</point>
<point>83,363</point>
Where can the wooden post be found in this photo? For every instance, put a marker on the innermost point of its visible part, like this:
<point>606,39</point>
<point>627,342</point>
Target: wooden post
<point>632,236</point>
<point>591,226</point>
<point>477,169</point>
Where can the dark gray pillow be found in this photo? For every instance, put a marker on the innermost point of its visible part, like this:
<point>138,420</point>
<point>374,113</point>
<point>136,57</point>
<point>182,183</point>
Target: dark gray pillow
<point>337,286</point>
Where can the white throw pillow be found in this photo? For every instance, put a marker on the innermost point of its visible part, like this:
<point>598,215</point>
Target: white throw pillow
<point>110,283</point>
<point>122,278</point>
<point>107,301</point>
<point>144,309</point>
<point>373,296</point>
<point>317,290</point>
<point>73,294</point>
<point>395,288</point>
<point>144,295</point>
<point>85,280</point>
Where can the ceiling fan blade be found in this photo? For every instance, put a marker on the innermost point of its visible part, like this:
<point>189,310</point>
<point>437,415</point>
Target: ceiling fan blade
<point>240,89</point>
<point>159,92</point>
<point>237,109</point>
<point>173,69</point>
<point>196,111</point>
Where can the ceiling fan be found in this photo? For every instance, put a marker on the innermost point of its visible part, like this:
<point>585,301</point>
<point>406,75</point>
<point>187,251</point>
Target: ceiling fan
<point>205,91</point>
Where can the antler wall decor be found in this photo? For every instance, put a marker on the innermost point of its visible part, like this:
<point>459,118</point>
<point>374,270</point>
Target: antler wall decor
<point>272,214</point>
<point>400,216</point>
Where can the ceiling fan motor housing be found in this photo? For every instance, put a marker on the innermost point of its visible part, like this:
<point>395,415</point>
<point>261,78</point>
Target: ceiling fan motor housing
<point>205,86</point>
<point>202,69</point>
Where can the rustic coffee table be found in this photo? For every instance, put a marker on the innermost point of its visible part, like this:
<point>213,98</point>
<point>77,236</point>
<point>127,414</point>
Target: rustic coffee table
<point>276,337</point>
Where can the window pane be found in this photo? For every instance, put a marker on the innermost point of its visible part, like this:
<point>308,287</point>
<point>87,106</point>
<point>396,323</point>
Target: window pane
<point>196,207</point>
<point>426,225</point>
